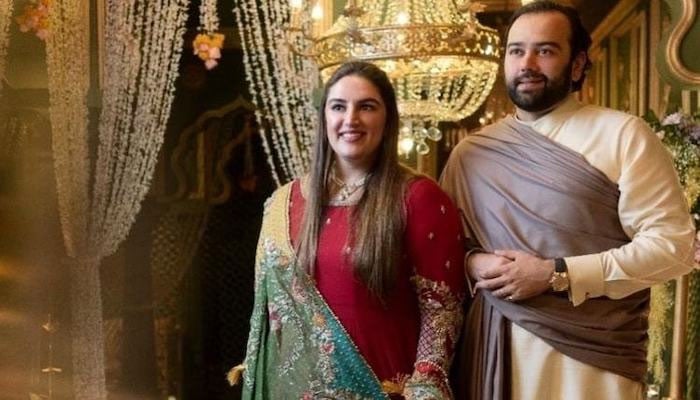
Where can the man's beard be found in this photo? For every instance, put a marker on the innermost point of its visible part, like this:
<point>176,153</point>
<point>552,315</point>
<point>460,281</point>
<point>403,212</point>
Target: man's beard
<point>554,91</point>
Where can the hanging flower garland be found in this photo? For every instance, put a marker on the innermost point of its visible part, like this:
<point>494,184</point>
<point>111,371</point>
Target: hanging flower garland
<point>5,19</point>
<point>98,206</point>
<point>680,133</point>
<point>68,83</point>
<point>207,45</point>
<point>281,84</point>
<point>35,18</point>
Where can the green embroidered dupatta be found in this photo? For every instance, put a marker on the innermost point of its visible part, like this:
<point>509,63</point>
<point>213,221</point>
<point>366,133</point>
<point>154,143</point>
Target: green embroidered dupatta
<point>297,348</point>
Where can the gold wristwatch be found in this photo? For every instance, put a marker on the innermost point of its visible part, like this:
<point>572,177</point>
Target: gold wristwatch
<point>560,278</point>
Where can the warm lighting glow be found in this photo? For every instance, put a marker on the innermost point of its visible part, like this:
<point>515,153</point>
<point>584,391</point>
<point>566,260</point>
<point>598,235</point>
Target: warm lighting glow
<point>9,272</point>
<point>402,18</point>
<point>405,145</point>
<point>317,12</point>
<point>295,4</point>
<point>11,317</point>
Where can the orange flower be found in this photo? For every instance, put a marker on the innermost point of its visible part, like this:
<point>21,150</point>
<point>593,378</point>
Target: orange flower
<point>35,18</point>
<point>208,48</point>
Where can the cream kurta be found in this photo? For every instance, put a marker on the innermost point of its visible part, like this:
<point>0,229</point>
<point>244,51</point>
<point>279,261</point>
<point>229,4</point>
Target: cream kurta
<point>653,213</point>
<point>652,209</point>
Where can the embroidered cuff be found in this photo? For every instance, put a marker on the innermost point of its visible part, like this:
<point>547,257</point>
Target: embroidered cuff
<point>429,381</point>
<point>586,278</point>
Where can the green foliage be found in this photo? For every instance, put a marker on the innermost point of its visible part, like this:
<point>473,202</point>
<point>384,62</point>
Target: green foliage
<point>680,133</point>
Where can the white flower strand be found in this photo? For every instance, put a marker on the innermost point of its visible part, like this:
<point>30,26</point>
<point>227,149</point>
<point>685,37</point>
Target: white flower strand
<point>274,31</point>
<point>143,40</point>
<point>242,14</point>
<point>134,120</point>
<point>208,19</point>
<point>245,37</point>
<point>5,19</point>
<point>281,84</point>
<point>259,81</point>
<point>67,65</point>
<point>67,58</point>
<point>301,85</point>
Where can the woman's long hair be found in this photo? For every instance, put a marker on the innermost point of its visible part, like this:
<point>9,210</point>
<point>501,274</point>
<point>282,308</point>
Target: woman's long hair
<point>378,220</point>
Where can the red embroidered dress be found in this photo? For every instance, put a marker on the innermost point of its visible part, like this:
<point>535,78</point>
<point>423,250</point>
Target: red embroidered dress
<point>414,334</point>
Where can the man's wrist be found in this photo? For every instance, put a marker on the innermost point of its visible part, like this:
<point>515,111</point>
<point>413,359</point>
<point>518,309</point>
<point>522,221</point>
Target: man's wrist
<point>559,280</point>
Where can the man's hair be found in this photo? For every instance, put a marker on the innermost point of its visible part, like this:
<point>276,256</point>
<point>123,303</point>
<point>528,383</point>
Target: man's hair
<point>580,39</point>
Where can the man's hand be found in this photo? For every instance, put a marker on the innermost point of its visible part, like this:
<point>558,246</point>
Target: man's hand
<point>523,277</point>
<point>481,266</point>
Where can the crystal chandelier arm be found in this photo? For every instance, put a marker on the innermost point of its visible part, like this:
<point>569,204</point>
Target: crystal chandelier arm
<point>441,60</point>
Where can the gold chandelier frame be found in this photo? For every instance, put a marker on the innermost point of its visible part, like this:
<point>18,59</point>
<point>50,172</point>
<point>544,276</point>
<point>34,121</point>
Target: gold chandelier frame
<point>443,65</point>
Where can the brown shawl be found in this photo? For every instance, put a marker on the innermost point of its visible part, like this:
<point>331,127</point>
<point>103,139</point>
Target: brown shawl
<point>520,190</point>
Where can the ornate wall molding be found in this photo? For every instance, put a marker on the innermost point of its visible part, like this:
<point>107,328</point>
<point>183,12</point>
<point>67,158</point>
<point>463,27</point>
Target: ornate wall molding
<point>622,71</point>
<point>199,159</point>
<point>621,11</point>
<point>683,16</point>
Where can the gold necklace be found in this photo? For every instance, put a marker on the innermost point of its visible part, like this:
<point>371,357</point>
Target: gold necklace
<point>346,189</point>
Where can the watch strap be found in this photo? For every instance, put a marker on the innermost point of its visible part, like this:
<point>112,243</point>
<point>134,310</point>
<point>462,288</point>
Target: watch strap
<point>560,265</point>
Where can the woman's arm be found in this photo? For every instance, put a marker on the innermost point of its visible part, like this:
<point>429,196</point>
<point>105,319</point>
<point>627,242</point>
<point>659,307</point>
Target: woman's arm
<point>435,248</point>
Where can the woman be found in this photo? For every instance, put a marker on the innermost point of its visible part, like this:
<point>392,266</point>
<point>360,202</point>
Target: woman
<point>358,271</point>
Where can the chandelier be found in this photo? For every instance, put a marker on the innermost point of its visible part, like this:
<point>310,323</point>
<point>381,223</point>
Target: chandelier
<point>441,61</point>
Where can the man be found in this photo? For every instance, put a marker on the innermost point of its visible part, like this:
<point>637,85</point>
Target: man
<point>577,211</point>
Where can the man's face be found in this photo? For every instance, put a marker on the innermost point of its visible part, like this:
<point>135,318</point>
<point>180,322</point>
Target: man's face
<point>538,65</point>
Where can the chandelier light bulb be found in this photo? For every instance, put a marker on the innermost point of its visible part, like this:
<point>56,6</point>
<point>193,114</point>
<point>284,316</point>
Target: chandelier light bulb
<point>317,12</point>
<point>406,144</point>
<point>402,18</point>
<point>295,4</point>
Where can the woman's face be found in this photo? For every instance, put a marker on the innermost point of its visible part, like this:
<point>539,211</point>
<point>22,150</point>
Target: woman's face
<point>355,121</point>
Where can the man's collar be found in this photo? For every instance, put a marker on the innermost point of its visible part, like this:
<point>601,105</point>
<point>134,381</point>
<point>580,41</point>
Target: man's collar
<point>559,112</point>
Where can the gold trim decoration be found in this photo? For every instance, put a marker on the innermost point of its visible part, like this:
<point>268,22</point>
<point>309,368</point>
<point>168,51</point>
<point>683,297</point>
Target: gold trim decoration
<point>680,323</point>
<point>628,67</point>
<point>675,39</point>
<point>655,84</point>
<point>614,18</point>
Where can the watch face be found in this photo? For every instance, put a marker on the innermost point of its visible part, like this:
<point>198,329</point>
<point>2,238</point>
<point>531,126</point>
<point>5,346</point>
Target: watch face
<point>560,282</point>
